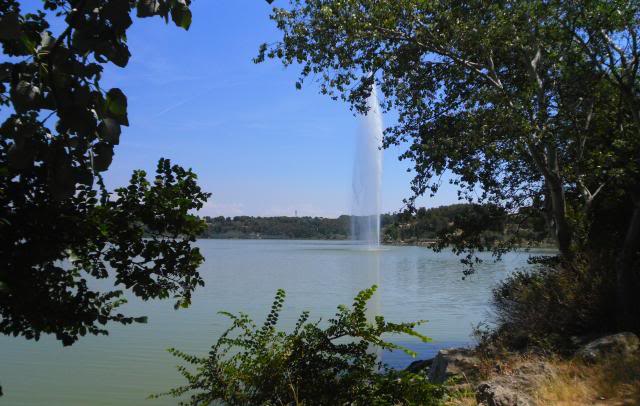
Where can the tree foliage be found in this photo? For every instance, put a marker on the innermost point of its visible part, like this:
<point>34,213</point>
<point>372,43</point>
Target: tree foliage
<point>60,228</point>
<point>312,365</point>
<point>551,307</point>
<point>527,104</point>
<point>464,227</point>
<point>444,223</point>
<point>278,227</point>
<point>319,228</point>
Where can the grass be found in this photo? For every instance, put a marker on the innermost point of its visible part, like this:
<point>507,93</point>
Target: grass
<point>469,400</point>
<point>612,382</point>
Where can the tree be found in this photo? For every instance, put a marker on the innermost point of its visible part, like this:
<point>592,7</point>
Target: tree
<point>607,33</point>
<point>60,228</point>
<point>531,102</point>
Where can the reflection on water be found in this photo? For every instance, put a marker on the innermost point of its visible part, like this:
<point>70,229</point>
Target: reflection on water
<point>414,283</point>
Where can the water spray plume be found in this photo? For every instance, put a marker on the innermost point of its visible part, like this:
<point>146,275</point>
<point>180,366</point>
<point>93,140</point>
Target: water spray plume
<point>367,177</point>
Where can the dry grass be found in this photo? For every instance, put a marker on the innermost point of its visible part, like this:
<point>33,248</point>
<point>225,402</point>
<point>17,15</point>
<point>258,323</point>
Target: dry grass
<point>468,400</point>
<point>615,381</point>
<point>612,382</point>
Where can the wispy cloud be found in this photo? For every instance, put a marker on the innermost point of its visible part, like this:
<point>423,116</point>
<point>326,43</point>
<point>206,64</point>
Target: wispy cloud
<point>225,84</point>
<point>176,105</point>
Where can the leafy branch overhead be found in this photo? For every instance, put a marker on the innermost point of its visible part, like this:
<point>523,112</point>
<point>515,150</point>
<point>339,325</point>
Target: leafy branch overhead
<point>529,106</point>
<point>59,226</point>
<point>61,75</point>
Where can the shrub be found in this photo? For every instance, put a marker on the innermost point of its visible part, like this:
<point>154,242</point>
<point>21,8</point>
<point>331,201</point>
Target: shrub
<point>312,365</point>
<point>552,306</point>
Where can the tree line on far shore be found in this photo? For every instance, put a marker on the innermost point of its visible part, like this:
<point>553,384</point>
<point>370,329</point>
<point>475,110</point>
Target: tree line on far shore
<point>423,225</point>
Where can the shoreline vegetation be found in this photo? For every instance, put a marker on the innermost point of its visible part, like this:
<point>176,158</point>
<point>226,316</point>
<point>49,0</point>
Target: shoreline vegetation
<point>261,364</point>
<point>420,228</point>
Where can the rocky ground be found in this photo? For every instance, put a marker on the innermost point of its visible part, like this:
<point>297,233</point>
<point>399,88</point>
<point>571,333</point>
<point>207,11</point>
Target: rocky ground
<point>603,372</point>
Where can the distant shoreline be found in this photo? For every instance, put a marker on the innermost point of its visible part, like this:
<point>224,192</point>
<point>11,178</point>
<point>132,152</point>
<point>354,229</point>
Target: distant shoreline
<point>416,229</point>
<point>423,243</point>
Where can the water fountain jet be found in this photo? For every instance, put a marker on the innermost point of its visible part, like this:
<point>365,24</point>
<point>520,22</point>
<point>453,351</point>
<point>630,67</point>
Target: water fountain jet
<point>367,177</point>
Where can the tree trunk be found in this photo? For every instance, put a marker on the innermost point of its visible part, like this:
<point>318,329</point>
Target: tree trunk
<point>558,202</point>
<point>547,163</point>
<point>626,279</point>
<point>558,210</point>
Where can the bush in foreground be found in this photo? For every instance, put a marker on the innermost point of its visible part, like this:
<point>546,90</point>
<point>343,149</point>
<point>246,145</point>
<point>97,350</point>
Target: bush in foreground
<point>552,306</point>
<point>312,365</point>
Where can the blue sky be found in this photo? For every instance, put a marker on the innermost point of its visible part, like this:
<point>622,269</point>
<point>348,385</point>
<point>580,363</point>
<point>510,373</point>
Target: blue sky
<point>260,146</point>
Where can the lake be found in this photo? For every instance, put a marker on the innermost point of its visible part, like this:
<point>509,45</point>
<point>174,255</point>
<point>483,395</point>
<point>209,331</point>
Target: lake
<point>243,275</point>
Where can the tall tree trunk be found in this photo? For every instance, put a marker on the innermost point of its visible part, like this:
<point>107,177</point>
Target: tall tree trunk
<point>561,228</point>
<point>626,280</point>
<point>546,161</point>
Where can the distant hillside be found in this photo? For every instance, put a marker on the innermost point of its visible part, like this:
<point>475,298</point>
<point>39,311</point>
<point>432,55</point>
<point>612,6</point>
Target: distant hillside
<point>278,227</point>
<point>424,225</point>
<point>310,228</point>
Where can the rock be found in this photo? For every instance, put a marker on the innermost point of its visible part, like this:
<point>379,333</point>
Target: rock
<point>419,366</point>
<point>451,362</point>
<point>534,370</point>
<point>622,344</point>
<point>496,394</point>
<point>514,389</point>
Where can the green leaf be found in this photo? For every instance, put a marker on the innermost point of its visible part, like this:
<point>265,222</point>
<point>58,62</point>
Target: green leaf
<point>84,177</point>
<point>19,157</point>
<point>80,41</point>
<point>28,43</point>
<point>181,16</point>
<point>117,11</point>
<point>103,157</point>
<point>25,96</point>
<point>61,179</point>
<point>120,55</point>
<point>116,106</point>
<point>147,8</point>
<point>109,130</point>
<point>10,26</point>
